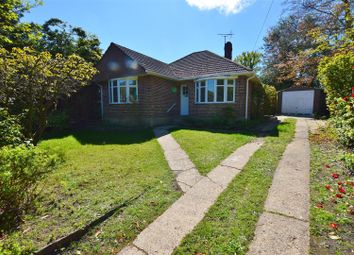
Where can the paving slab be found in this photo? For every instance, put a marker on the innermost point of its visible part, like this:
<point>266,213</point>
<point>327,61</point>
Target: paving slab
<point>163,235</point>
<point>280,235</point>
<point>166,232</point>
<point>239,158</point>
<point>189,177</point>
<point>283,228</point>
<point>131,250</point>
<point>222,175</point>
<point>289,193</point>
<point>177,159</point>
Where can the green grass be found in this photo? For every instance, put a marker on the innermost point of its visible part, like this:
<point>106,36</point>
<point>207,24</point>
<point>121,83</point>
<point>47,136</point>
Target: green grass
<point>229,225</point>
<point>100,170</point>
<point>207,148</point>
<point>326,208</point>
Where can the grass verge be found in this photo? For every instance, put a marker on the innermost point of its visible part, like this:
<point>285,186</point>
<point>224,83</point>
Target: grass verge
<point>229,225</point>
<point>207,149</point>
<point>332,211</point>
<point>99,170</point>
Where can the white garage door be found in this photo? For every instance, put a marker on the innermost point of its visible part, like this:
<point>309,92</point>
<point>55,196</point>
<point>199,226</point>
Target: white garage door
<point>297,102</point>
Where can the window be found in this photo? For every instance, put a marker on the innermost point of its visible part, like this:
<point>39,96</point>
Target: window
<point>123,91</point>
<point>215,91</point>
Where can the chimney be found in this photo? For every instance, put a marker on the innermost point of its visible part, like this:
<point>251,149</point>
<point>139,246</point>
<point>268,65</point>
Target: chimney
<point>228,50</point>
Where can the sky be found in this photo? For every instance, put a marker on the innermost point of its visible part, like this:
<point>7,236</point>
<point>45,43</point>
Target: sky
<point>167,29</point>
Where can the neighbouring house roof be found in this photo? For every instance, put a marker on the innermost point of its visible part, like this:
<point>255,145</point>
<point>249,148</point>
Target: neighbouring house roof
<point>193,66</point>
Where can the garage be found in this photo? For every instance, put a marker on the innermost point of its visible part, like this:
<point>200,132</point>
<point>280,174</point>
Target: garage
<point>302,101</point>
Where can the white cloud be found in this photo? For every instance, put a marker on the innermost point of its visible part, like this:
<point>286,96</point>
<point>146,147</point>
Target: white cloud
<point>224,6</point>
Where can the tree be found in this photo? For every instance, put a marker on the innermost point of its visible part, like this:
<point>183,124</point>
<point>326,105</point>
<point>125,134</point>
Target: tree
<point>14,33</point>
<point>32,83</point>
<point>250,59</point>
<point>59,37</point>
<point>295,46</point>
<point>284,62</point>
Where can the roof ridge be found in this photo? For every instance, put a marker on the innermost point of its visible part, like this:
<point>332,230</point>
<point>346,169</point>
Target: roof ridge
<point>230,60</point>
<point>187,56</point>
<point>126,48</point>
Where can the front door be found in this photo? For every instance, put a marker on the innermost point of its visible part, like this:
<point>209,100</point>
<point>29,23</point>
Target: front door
<point>184,100</point>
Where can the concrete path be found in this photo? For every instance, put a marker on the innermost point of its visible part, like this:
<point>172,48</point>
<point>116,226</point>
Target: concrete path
<point>163,235</point>
<point>183,168</point>
<point>283,228</point>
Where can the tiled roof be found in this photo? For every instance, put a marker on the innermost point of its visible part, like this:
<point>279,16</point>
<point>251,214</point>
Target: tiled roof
<point>195,65</point>
<point>148,63</point>
<point>205,63</point>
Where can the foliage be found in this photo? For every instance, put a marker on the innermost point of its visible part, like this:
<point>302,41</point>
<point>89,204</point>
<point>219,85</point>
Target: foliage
<point>258,98</point>
<point>101,170</point>
<point>20,170</point>
<point>331,189</point>
<point>348,160</point>
<point>10,129</point>
<point>336,74</point>
<point>342,110</point>
<point>311,31</point>
<point>250,59</point>
<point>60,37</point>
<point>14,33</point>
<point>33,83</point>
<point>58,120</point>
<point>270,104</point>
<point>228,226</point>
<point>285,63</point>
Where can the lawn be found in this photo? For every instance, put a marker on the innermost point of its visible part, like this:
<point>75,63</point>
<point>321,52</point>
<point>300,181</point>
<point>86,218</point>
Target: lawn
<point>207,149</point>
<point>332,210</point>
<point>99,170</point>
<point>229,225</point>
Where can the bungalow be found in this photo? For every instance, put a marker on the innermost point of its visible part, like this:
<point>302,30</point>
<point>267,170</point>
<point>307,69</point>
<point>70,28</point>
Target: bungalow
<point>139,90</point>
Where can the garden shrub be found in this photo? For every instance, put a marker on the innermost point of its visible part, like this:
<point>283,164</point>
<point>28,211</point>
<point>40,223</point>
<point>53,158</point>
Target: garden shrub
<point>270,103</point>
<point>342,120</point>
<point>10,129</point>
<point>348,160</point>
<point>21,168</point>
<point>336,73</point>
<point>58,120</point>
<point>264,100</point>
<point>257,101</point>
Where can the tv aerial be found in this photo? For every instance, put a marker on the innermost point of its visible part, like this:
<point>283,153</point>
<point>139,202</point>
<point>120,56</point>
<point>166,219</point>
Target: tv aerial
<point>227,36</point>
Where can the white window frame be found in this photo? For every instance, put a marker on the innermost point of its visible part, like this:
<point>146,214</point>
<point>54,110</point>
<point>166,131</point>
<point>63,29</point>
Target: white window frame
<point>225,85</point>
<point>127,89</point>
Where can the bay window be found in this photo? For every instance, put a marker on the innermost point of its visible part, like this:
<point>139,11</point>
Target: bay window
<point>215,91</point>
<point>123,90</point>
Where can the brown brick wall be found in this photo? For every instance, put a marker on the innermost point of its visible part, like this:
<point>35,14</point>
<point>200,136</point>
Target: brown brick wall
<point>155,98</point>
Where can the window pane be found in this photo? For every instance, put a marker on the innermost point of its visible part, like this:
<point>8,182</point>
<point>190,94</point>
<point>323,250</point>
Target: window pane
<point>114,83</point>
<point>230,82</point>
<point>202,83</point>
<point>220,93</point>
<point>122,82</point>
<point>131,82</point>
<point>133,95</point>
<point>115,95</point>
<point>123,94</point>
<point>211,90</point>
<point>220,82</point>
<point>230,94</point>
<point>202,94</point>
